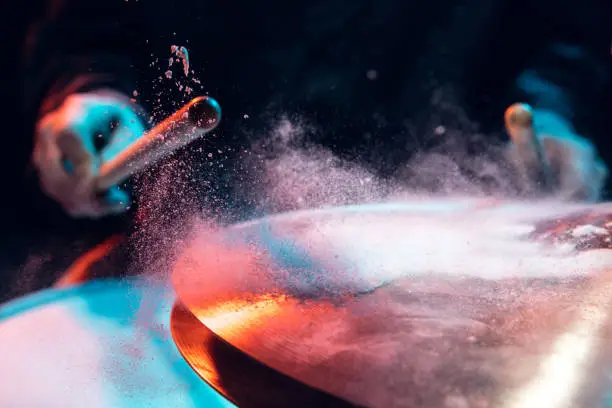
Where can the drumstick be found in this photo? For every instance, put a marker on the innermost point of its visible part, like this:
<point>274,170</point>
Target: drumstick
<point>192,121</point>
<point>530,155</point>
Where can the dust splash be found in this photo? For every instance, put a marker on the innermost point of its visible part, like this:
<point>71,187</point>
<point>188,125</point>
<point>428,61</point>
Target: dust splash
<point>294,173</point>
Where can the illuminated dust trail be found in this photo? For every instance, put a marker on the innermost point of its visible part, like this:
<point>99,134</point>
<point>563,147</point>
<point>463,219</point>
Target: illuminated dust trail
<point>445,237</point>
<point>182,55</point>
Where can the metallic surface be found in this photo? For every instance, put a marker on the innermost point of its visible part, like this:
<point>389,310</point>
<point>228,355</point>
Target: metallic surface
<point>242,379</point>
<point>330,299</point>
<point>105,344</point>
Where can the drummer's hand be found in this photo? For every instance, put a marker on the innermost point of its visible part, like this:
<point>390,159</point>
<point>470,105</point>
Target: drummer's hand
<point>580,172</point>
<point>71,143</point>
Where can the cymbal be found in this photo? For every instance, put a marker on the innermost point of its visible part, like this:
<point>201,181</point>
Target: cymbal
<point>238,377</point>
<point>415,304</point>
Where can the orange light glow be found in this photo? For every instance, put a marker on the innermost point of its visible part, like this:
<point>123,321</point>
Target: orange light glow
<point>80,270</point>
<point>227,317</point>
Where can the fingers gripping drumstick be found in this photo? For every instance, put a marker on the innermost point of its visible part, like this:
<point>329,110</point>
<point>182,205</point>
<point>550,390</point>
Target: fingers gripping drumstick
<point>530,158</point>
<point>192,121</point>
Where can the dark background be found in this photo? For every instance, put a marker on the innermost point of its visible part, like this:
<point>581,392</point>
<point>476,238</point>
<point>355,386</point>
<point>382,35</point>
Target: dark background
<point>36,237</point>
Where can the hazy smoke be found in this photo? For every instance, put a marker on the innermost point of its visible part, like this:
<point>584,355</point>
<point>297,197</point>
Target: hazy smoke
<point>293,173</point>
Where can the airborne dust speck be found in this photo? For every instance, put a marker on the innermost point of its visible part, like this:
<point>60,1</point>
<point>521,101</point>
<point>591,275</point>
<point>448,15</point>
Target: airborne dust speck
<point>182,55</point>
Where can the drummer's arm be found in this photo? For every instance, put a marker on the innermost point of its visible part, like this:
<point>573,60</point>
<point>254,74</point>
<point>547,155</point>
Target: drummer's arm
<point>567,80</point>
<point>566,85</point>
<point>78,46</point>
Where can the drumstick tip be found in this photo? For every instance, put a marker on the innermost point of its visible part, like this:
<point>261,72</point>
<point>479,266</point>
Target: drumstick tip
<point>204,112</point>
<point>530,154</point>
<point>519,115</point>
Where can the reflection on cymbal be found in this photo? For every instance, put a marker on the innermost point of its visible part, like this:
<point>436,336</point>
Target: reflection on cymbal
<point>241,379</point>
<point>523,301</point>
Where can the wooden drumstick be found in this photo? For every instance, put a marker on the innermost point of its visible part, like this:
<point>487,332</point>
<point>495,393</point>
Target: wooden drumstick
<point>192,121</point>
<point>530,157</point>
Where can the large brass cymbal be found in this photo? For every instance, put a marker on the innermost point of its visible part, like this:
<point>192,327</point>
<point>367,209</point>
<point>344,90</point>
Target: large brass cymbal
<point>338,300</point>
